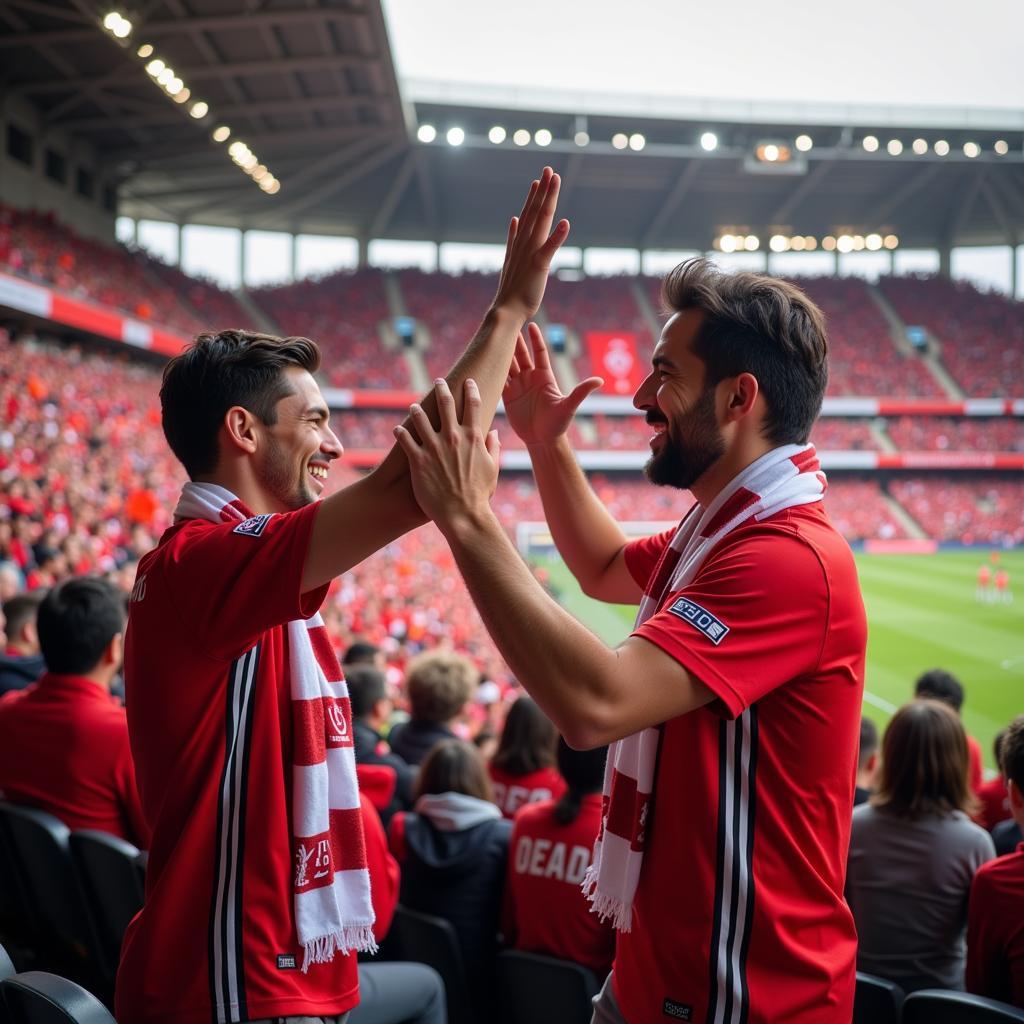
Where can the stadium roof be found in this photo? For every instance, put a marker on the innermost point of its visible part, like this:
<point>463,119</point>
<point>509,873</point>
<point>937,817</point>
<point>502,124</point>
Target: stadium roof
<point>311,88</point>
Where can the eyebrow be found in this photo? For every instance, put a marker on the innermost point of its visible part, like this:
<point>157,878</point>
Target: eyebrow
<point>320,411</point>
<point>661,361</point>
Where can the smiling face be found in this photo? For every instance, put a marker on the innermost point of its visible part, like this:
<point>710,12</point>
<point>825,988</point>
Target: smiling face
<point>297,450</point>
<point>681,407</point>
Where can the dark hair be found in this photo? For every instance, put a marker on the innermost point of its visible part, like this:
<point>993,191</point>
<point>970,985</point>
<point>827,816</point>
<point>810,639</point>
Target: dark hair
<point>77,620</point>
<point>454,766</point>
<point>528,740</point>
<point>220,371</point>
<point>22,609</point>
<point>938,684</point>
<point>360,653</point>
<point>438,684</point>
<point>759,325</point>
<point>1011,753</point>
<point>583,771</point>
<point>366,686</point>
<point>924,762</point>
<point>868,741</point>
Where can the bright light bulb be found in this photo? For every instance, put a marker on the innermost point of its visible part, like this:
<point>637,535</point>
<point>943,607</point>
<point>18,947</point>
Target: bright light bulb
<point>727,243</point>
<point>542,137</point>
<point>920,146</point>
<point>870,144</point>
<point>521,137</point>
<point>895,147</point>
<point>182,97</point>
<point>804,143</point>
<point>426,133</point>
<point>155,67</point>
<point>709,142</point>
<point>144,51</point>
<point>1002,147</point>
<point>497,135</point>
<point>111,20</point>
<point>581,139</point>
<point>771,152</point>
<point>221,133</point>
<point>942,147</point>
<point>810,243</point>
<point>873,242</point>
<point>797,243</point>
<point>971,150</point>
<point>858,243</point>
<point>778,243</point>
<point>751,243</point>
<point>637,142</point>
<point>828,243</point>
<point>620,140</point>
<point>455,136</point>
<point>890,241</point>
<point>199,109</point>
<point>165,76</point>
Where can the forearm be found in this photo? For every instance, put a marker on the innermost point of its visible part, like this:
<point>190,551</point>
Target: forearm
<point>571,674</point>
<point>586,535</point>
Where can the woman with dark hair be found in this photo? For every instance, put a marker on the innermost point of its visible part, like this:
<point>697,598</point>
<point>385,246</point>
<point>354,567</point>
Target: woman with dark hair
<point>452,849</point>
<point>551,849</point>
<point>914,851</point>
<point>523,769</point>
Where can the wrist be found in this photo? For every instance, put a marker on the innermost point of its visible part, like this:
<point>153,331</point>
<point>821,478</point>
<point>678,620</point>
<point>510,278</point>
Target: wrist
<point>506,312</point>
<point>553,446</point>
<point>466,522</point>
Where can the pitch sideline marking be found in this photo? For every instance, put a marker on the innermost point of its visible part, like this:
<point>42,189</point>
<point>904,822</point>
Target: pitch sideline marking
<point>880,702</point>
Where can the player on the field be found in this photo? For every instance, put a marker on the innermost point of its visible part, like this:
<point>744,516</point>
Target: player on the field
<point>1004,595</point>
<point>257,890</point>
<point>983,592</point>
<point>735,705</point>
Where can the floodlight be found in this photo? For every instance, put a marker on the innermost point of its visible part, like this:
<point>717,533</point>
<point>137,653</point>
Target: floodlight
<point>828,243</point>
<point>521,137</point>
<point>124,29</point>
<point>890,241</point>
<point>778,243</point>
<point>154,67</point>
<point>165,76</point>
<point>858,243</point>
<point>709,142</point>
<point>751,243</point>
<point>426,133</point>
<point>221,133</point>
<point>870,144</point>
<point>1001,147</point>
<point>941,147</point>
<point>895,147</point>
<point>455,136</point>
<point>542,137</point>
<point>873,242</point>
<point>637,142</point>
<point>620,140</point>
<point>844,243</point>
<point>174,86</point>
<point>273,188</point>
<point>144,51</point>
<point>199,109</point>
<point>920,146</point>
<point>971,150</point>
<point>497,135</point>
<point>581,138</point>
<point>111,20</point>
<point>797,243</point>
<point>727,243</point>
<point>804,143</point>
<point>810,243</point>
<point>182,97</point>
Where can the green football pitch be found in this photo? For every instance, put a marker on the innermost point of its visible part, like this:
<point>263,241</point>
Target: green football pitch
<point>922,613</point>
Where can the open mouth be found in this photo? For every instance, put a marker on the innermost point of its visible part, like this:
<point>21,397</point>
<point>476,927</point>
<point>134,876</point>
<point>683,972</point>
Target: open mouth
<point>318,471</point>
<point>660,427</point>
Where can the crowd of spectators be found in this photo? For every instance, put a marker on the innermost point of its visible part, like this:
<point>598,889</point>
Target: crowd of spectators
<point>981,333</point>
<point>974,510</point>
<point>960,434</point>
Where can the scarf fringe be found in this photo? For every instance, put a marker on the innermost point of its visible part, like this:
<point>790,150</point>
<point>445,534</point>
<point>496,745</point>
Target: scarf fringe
<point>352,938</point>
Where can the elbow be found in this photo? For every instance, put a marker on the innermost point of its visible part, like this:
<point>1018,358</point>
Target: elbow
<point>588,730</point>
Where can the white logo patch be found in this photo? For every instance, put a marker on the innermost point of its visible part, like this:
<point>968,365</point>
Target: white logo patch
<point>253,526</point>
<point>700,618</point>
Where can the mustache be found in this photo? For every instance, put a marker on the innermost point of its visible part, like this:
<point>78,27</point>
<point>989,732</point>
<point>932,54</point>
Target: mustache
<point>653,417</point>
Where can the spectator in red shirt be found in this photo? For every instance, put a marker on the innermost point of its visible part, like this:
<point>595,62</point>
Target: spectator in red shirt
<point>21,662</point>
<point>523,769</point>
<point>993,794</point>
<point>64,740</point>
<point>551,847</point>
<point>995,913</point>
<point>938,684</point>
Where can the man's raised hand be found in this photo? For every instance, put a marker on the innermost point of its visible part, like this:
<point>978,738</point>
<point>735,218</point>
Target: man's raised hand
<point>530,247</point>
<point>534,404</point>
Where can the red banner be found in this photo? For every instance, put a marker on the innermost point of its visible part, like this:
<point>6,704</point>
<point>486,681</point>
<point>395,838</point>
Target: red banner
<point>613,356</point>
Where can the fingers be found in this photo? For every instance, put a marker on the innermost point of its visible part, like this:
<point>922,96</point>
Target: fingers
<point>513,226</point>
<point>533,211</point>
<point>471,407</point>
<point>524,360</point>
<point>540,349</point>
<point>406,442</point>
<point>584,388</point>
<point>553,244</point>
<point>493,444</point>
<point>546,211</point>
<point>445,406</point>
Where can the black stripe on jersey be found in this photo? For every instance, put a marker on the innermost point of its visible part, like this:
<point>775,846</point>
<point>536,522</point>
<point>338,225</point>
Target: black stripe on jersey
<point>716,912</point>
<point>739,747</point>
<point>751,816</point>
<point>249,714</point>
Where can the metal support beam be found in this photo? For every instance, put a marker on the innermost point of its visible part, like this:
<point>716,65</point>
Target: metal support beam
<point>672,201</point>
<point>892,203</point>
<point>394,195</point>
<point>801,192</point>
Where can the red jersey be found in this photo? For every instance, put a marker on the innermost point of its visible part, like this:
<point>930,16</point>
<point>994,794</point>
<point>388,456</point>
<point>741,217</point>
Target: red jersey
<point>209,712</point>
<point>995,930</point>
<point>514,791</point>
<point>546,911</point>
<point>995,803</point>
<point>975,769</point>
<point>739,913</point>
<point>64,749</point>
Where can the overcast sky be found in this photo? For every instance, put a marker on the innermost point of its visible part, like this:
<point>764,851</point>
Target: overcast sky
<point>928,52</point>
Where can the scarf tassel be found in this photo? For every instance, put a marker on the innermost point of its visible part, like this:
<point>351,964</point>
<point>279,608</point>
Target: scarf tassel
<point>354,938</point>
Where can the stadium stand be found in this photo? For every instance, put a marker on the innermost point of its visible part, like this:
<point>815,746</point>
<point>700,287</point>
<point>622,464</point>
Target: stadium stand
<point>944,433</point>
<point>973,511</point>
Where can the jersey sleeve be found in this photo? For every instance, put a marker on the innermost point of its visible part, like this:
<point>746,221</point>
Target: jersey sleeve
<point>233,581</point>
<point>987,967</point>
<point>642,556</point>
<point>754,617</point>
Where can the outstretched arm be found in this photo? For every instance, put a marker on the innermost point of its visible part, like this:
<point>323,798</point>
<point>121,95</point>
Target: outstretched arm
<point>587,537</point>
<point>365,516</point>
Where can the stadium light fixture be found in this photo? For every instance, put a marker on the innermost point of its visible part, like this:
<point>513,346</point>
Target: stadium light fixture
<point>426,133</point>
<point>521,137</point>
<point>620,140</point>
<point>709,142</point>
<point>497,135</point>
<point>828,243</point>
<point>199,109</point>
<point>221,133</point>
<point>920,146</point>
<point>858,243</point>
<point>183,96</point>
<point>890,242</point>
<point>155,67</point>
<point>941,147</point>
<point>581,138</point>
<point>778,243</point>
<point>844,243</point>
<point>542,137</point>
<point>751,243</point>
<point>971,150</point>
<point>797,243</point>
<point>165,76</point>
<point>117,25</point>
<point>873,242</point>
<point>804,143</point>
<point>637,142</point>
<point>894,147</point>
<point>455,136</point>
<point>810,243</point>
<point>727,243</point>
<point>144,51</point>
<point>870,144</point>
<point>1002,147</point>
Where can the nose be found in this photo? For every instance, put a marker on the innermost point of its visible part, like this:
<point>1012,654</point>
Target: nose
<point>331,446</point>
<point>643,399</point>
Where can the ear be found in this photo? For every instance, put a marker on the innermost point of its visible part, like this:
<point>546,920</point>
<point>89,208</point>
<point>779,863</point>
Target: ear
<point>741,396</point>
<point>29,633</point>
<point>241,430</point>
<point>872,762</point>
<point>115,650</point>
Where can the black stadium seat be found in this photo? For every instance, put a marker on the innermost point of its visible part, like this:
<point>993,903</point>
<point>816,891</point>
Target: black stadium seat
<point>877,1001</point>
<point>536,989</point>
<point>108,871</point>
<point>940,1006</point>
<point>39,998</point>
<point>6,966</point>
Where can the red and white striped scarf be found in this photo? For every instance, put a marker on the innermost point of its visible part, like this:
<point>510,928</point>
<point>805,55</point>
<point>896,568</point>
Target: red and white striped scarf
<point>784,477</point>
<point>331,884</point>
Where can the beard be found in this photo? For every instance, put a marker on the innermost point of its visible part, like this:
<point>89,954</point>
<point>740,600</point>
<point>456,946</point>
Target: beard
<point>280,478</point>
<point>692,443</point>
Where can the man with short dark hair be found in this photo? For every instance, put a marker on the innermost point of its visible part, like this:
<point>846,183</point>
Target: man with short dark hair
<point>995,912</point>
<point>867,762</point>
<point>938,684</point>
<point>64,740</point>
<point>21,662</point>
<point>258,894</point>
<point>735,705</point>
<point>361,652</point>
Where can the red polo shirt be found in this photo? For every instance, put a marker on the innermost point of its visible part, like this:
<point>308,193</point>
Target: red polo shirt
<point>64,749</point>
<point>995,930</point>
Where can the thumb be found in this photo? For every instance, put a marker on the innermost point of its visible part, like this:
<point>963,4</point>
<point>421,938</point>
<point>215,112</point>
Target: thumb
<point>585,387</point>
